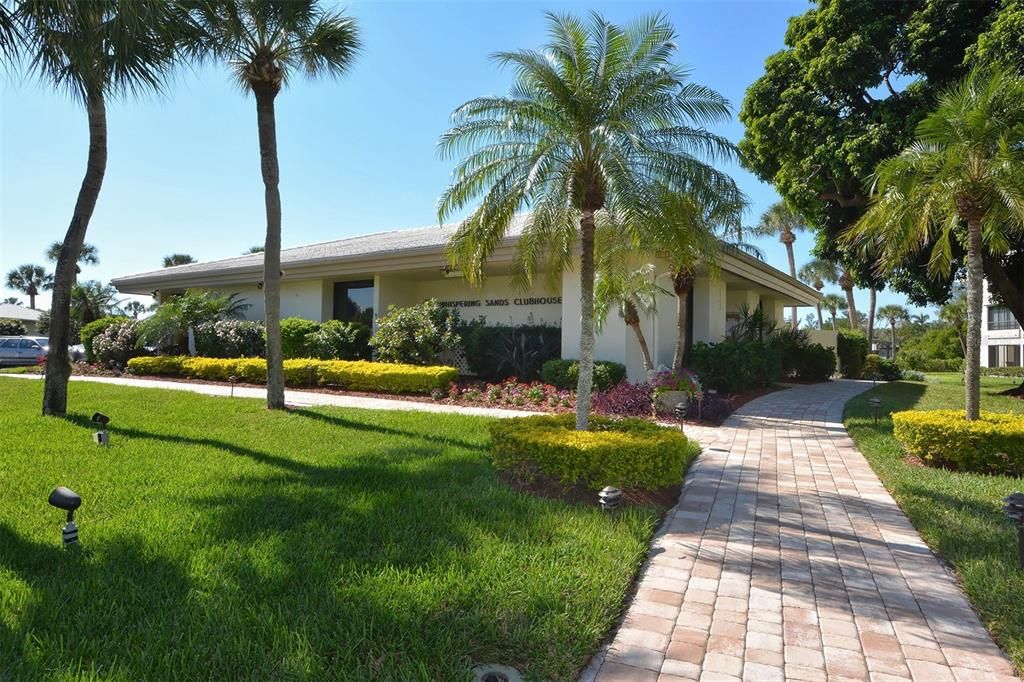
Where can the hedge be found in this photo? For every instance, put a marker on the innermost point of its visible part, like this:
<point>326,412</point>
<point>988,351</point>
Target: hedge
<point>734,366</point>
<point>852,349</point>
<point>352,375</point>
<point>993,444</point>
<point>625,453</point>
<point>564,374</point>
<point>1011,372</point>
<point>883,368</point>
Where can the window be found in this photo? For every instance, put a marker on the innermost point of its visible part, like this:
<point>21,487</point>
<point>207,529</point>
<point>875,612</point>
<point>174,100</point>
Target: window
<point>1000,317</point>
<point>993,356</point>
<point>353,301</point>
<point>9,343</point>
<point>1011,355</point>
<point>30,344</point>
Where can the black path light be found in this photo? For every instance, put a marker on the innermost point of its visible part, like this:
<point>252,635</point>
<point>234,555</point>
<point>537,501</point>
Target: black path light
<point>680,412</point>
<point>1015,510</point>
<point>102,437</point>
<point>610,498</point>
<point>69,501</point>
<point>876,405</point>
<point>232,380</point>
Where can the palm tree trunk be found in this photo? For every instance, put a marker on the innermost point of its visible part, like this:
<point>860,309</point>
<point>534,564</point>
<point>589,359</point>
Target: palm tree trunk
<point>648,363</point>
<point>586,376</point>
<point>972,361</point>
<point>817,306</point>
<point>58,366</point>
<point>833,323</point>
<point>267,125</point>
<point>851,308</point>
<point>892,328</point>
<point>32,297</point>
<point>871,321</point>
<point>792,272</point>
<point>681,285</point>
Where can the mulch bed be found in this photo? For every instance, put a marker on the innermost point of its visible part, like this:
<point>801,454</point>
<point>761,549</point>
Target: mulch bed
<point>549,488</point>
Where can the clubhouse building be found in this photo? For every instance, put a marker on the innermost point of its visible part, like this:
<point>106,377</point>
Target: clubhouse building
<point>359,278</point>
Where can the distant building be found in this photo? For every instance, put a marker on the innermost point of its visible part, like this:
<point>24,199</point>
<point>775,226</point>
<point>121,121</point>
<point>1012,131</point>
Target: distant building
<point>27,316</point>
<point>1001,336</point>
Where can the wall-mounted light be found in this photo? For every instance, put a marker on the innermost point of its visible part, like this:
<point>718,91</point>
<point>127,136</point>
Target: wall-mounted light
<point>610,498</point>
<point>69,501</point>
<point>101,437</point>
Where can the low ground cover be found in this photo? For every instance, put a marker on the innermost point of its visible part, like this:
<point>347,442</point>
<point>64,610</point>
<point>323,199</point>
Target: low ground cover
<point>223,541</point>
<point>958,514</point>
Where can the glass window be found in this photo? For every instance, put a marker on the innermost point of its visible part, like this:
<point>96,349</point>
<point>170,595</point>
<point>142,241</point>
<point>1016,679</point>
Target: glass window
<point>29,343</point>
<point>1000,317</point>
<point>1012,356</point>
<point>353,301</point>
<point>993,356</point>
<point>9,343</point>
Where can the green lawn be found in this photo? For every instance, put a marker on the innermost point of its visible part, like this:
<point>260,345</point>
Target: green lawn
<point>959,515</point>
<point>220,541</point>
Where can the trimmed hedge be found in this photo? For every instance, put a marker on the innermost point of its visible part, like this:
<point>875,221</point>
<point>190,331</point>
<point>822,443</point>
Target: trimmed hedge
<point>1010,372</point>
<point>815,363</point>
<point>91,330</point>
<point>884,368</point>
<point>852,349</point>
<point>564,374</point>
<point>735,366</point>
<point>625,453</point>
<point>357,375</point>
<point>993,444</point>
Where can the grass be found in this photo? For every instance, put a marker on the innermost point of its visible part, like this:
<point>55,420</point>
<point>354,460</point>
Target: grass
<point>958,514</point>
<point>220,541</point>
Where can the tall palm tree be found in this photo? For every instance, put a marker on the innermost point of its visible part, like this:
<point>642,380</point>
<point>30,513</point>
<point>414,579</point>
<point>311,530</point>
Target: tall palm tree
<point>176,259</point>
<point>265,42</point>
<point>253,249</point>
<point>93,51</point>
<point>954,314</point>
<point>92,300</point>
<point>816,272</point>
<point>30,280</point>
<point>783,221</point>
<point>893,314</point>
<point>966,167</point>
<point>846,282</point>
<point>600,119</point>
<point>632,291</point>
<point>134,308</point>
<point>872,303</point>
<point>834,304</point>
<point>12,300</point>
<point>87,255</point>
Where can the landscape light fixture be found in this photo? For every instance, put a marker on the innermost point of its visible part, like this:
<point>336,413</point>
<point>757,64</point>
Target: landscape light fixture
<point>610,498</point>
<point>69,501</point>
<point>101,437</point>
<point>680,411</point>
<point>232,379</point>
<point>1015,511</point>
<point>876,404</point>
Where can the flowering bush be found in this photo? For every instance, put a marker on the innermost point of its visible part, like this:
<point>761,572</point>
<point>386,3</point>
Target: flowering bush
<point>11,328</point>
<point>230,339</point>
<point>514,393</point>
<point>117,344</point>
<point>683,380</point>
<point>625,400</point>
<point>416,335</point>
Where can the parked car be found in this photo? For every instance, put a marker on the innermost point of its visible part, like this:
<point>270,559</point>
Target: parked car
<point>23,350</point>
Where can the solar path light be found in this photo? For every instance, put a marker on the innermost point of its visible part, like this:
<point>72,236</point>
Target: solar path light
<point>69,501</point>
<point>1015,510</point>
<point>876,404</point>
<point>102,437</point>
<point>610,498</point>
<point>232,379</point>
<point>680,411</point>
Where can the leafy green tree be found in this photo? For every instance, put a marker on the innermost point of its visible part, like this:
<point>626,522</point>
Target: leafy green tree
<point>1003,42</point>
<point>954,314</point>
<point>265,43</point>
<point>600,119</point>
<point>816,272</point>
<point>632,292</point>
<point>834,304</point>
<point>30,280</point>
<point>93,51</point>
<point>893,314</point>
<point>783,222</point>
<point>12,300</point>
<point>92,300</point>
<point>966,167</point>
<point>176,259</point>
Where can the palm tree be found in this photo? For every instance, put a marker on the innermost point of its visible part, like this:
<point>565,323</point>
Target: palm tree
<point>600,119</point>
<point>134,308</point>
<point>893,314</point>
<point>87,255</point>
<point>176,259</point>
<point>816,272</point>
<point>92,300</point>
<point>265,43</point>
<point>93,51</point>
<point>872,303</point>
<point>966,167</point>
<point>783,221</point>
<point>253,249</point>
<point>833,303</point>
<point>12,300</point>
<point>30,280</point>
<point>846,283</point>
<point>954,314</point>
<point>632,292</point>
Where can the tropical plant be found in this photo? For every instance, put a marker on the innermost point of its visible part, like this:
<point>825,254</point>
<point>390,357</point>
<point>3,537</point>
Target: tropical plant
<point>754,324</point>
<point>93,51</point>
<point>30,280</point>
<point>966,167</point>
<point>632,292</point>
<point>816,272</point>
<point>92,300</point>
<point>134,308</point>
<point>893,314</point>
<point>833,303</point>
<point>954,314</point>
<point>601,119</point>
<point>167,327</point>
<point>176,259</point>
<point>13,300</point>
<point>87,255</point>
<point>253,249</point>
<point>265,44</point>
<point>782,221</point>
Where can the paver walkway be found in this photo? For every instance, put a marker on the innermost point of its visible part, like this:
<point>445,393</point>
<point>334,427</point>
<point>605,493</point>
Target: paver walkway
<point>786,559</point>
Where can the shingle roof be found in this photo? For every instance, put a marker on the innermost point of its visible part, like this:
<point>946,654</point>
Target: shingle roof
<point>9,311</point>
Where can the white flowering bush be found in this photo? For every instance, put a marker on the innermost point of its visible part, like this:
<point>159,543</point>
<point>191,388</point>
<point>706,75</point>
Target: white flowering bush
<point>416,335</point>
<point>117,344</point>
<point>230,339</point>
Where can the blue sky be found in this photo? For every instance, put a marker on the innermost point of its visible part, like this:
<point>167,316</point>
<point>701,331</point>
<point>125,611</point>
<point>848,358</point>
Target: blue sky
<point>357,154</point>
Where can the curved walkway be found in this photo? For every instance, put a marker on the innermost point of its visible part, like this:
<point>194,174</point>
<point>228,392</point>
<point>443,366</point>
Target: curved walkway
<point>786,559</point>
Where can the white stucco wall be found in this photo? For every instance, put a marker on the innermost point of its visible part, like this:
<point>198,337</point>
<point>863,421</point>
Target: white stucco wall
<point>298,299</point>
<point>497,300</point>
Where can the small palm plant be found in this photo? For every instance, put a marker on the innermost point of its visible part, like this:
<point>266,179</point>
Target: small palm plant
<point>633,292</point>
<point>176,259</point>
<point>893,314</point>
<point>834,304</point>
<point>30,280</point>
<point>265,43</point>
<point>816,272</point>
<point>966,168</point>
<point>782,221</point>
<point>600,120</point>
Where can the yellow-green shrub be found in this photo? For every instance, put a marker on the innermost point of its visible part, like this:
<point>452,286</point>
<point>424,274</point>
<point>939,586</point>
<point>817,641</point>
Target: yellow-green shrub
<point>992,444</point>
<point>625,453</point>
<point>353,375</point>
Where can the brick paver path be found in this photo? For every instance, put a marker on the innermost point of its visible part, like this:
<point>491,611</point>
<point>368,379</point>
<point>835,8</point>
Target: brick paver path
<point>786,559</point>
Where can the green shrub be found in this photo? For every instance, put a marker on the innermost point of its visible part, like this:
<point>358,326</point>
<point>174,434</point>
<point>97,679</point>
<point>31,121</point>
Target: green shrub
<point>416,335</point>
<point>117,344</point>
<point>815,363</point>
<point>789,343</point>
<point>852,349</point>
<point>337,340</point>
<point>230,339</point>
<point>937,365</point>
<point>882,368</point>
<point>993,444</point>
<point>498,352</point>
<point>91,330</point>
<point>11,328</point>
<point>1011,372</point>
<point>565,374</point>
<point>626,453</point>
<point>735,366</point>
<point>294,331</point>
<point>356,376</point>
